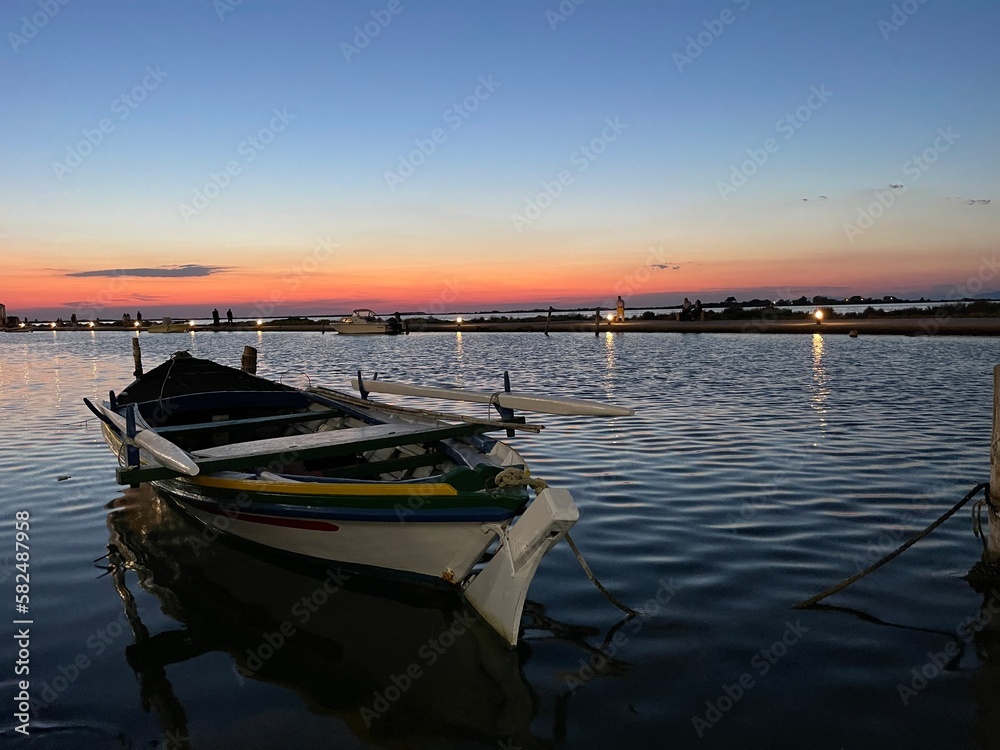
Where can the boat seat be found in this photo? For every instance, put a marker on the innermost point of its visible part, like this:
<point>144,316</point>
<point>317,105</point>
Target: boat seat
<point>282,451</point>
<point>251,422</point>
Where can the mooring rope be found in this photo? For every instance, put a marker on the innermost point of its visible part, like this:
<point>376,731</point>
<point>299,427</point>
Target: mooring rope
<point>895,553</point>
<point>977,518</point>
<point>593,578</point>
<point>515,476</point>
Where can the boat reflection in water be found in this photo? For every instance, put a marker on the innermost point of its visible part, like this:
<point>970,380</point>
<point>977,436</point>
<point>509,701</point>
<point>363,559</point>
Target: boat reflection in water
<point>393,662</point>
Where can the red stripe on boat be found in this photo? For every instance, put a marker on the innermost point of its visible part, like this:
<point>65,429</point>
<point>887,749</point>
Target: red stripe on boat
<point>291,523</point>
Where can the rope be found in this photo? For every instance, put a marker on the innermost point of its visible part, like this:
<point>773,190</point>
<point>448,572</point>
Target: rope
<point>895,553</point>
<point>590,574</point>
<point>977,520</point>
<point>514,476</point>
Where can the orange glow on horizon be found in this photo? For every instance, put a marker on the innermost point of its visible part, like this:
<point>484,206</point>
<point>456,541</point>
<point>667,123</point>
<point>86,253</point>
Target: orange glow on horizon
<point>261,283</point>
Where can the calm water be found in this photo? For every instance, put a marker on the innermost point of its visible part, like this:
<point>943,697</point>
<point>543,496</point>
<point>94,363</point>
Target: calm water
<point>758,470</point>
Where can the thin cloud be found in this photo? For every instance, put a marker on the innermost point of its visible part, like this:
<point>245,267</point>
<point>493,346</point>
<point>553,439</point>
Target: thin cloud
<point>189,270</point>
<point>664,267</point>
<point>971,201</point>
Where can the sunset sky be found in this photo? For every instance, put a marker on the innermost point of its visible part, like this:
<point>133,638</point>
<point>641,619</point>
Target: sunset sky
<point>172,156</point>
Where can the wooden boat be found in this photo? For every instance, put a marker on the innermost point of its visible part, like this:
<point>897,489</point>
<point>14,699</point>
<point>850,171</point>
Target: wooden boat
<point>366,322</point>
<point>377,488</point>
<point>338,653</point>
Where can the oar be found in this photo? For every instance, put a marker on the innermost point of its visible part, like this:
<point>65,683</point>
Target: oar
<point>166,453</point>
<point>506,399</point>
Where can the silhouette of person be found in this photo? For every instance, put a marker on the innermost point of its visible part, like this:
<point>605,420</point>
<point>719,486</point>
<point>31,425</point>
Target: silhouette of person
<point>229,316</point>
<point>215,316</point>
<point>697,309</point>
<point>686,309</point>
<point>620,310</point>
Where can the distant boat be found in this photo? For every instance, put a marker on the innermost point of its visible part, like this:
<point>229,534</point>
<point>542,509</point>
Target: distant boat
<point>168,326</point>
<point>366,322</point>
<point>379,488</point>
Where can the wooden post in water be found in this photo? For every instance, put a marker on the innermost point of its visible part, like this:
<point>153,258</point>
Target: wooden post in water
<point>137,357</point>
<point>548,320</point>
<point>597,322</point>
<point>993,543</point>
<point>249,362</point>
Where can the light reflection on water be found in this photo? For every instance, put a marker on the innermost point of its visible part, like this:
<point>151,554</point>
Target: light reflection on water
<point>820,388</point>
<point>757,470</point>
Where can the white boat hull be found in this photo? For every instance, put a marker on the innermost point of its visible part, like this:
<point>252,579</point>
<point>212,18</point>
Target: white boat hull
<point>360,328</point>
<point>445,551</point>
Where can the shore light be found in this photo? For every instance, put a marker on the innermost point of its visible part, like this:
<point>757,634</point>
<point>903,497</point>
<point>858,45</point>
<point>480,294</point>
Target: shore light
<point>52,324</point>
<point>610,317</point>
<point>458,320</point>
<point>136,324</point>
<point>20,325</point>
<point>260,322</point>
<point>819,316</point>
<point>191,323</point>
<point>90,323</point>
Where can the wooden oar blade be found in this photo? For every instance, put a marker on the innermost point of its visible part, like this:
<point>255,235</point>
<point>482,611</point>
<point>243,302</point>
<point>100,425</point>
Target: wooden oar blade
<point>166,453</point>
<point>555,405</point>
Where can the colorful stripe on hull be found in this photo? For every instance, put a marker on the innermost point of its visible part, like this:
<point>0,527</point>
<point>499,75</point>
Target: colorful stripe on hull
<point>442,550</point>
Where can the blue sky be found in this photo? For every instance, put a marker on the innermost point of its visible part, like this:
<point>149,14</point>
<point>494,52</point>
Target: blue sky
<point>213,75</point>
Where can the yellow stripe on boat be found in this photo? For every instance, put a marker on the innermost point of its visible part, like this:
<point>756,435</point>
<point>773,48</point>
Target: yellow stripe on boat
<point>324,488</point>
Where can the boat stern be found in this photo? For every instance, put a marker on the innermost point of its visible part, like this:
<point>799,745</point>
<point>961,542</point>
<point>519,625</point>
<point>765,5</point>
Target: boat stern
<point>499,591</point>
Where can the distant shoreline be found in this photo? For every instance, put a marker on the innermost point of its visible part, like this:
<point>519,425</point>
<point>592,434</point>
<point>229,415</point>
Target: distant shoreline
<point>924,326</point>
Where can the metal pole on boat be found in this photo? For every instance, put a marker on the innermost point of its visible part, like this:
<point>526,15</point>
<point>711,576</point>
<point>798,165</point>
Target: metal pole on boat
<point>137,356</point>
<point>993,542</point>
<point>131,451</point>
<point>249,361</point>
